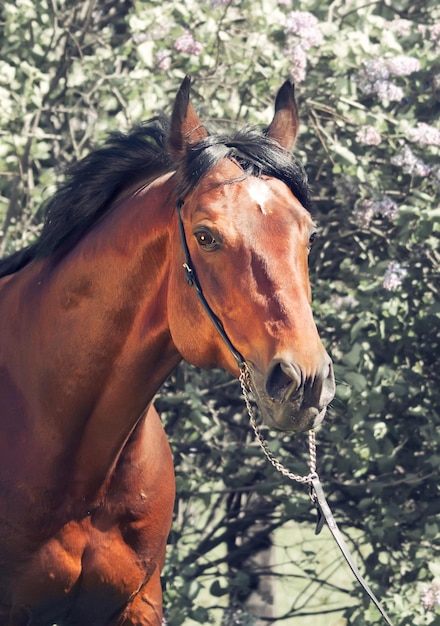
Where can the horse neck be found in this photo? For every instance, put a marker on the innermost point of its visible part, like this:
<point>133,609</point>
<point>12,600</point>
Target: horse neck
<point>93,331</point>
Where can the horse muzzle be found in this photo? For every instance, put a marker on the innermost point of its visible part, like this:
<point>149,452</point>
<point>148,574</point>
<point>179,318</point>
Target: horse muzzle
<point>291,400</point>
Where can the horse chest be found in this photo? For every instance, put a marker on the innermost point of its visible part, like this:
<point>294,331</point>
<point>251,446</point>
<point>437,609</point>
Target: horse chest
<point>82,566</point>
<point>84,574</point>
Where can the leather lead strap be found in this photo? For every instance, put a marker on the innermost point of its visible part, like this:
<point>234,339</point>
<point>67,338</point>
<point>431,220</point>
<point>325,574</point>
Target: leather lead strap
<point>324,513</point>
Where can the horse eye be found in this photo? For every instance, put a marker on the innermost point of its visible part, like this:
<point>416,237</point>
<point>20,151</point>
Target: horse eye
<point>311,240</point>
<point>205,239</point>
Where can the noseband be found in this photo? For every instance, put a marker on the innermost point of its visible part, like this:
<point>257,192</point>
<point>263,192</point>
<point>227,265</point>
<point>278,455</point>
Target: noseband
<point>316,492</point>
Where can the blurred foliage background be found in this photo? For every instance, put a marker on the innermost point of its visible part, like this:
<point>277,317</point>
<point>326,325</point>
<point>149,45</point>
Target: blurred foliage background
<point>368,85</point>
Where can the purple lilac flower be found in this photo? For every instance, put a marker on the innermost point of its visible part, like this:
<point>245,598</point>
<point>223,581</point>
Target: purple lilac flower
<point>402,28</point>
<point>402,65</point>
<point>187,44</point>
<point>410,163</point>
<point>364,212</point>
<point>424,135</point>
<point>374,77</point>
<point>368,136</point>
<point>298,63</point>
<point>390,91</point>
<point>394,275</point>
<point>305,26</point>
<point>366,209</point>
<point>302,33</point>
<point>163,60</point>
<point>431,596</point>
<point>434,33</point>
<point>376,69</point>
<point>387,207</point>
<point>384,88</point>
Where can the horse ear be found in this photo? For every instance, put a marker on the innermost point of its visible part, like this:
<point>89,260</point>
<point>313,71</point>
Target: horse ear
<point>285,124</point>
<point>186,128</point>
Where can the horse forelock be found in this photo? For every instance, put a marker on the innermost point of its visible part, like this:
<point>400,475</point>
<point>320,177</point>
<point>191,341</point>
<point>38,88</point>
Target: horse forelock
<point>254,152</point>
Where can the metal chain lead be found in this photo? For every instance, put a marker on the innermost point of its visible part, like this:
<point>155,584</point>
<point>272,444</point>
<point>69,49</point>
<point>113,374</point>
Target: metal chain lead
<point>316,492</point>
<point>246,386</point>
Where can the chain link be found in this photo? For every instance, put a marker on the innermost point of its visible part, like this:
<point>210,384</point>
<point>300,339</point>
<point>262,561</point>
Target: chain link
<point>316,493</point>
<point>246,386</point>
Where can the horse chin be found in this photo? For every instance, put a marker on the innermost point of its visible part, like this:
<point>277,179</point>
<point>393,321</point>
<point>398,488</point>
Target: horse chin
<point>287,418</point>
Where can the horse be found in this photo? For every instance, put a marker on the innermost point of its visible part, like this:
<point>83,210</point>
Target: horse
<point>96,313</point>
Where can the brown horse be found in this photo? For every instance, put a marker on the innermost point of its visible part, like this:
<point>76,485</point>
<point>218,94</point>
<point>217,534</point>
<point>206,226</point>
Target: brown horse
<point>94,317</point>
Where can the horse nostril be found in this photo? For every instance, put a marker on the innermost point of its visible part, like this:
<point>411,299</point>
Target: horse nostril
<point>328,386</point>
<point>320,390</point>
<point>282,377</point>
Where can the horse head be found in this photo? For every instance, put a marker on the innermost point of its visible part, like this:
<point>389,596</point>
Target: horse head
<point>244,210</point>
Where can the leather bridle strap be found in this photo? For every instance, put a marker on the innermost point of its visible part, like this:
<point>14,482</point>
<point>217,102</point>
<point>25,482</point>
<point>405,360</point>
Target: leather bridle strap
<point>324,513</point>
<point>191,279</point>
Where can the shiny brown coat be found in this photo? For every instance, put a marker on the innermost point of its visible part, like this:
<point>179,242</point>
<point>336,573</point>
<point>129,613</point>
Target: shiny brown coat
<point>87,336</point>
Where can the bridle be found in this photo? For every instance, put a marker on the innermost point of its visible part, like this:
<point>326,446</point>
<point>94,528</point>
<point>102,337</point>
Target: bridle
<point>317,496</point>
<point>193,281</point>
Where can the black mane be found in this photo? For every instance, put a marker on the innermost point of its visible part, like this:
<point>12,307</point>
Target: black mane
<point>95,181</point>
<point>91,185</point>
